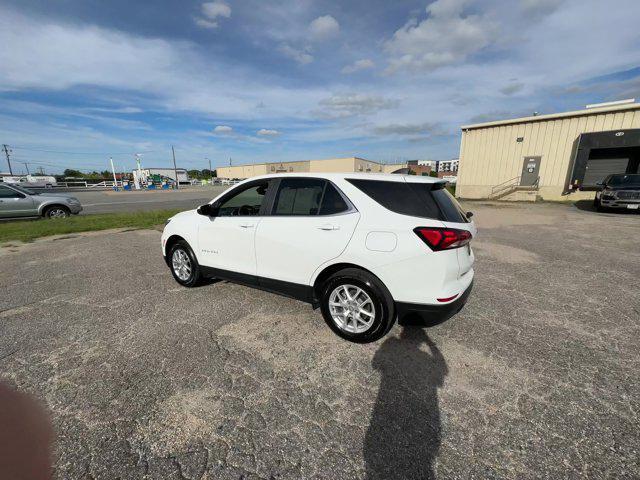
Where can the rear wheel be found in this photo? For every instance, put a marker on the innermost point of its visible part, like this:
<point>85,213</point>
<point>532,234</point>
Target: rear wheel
<point>184,266</point>
<point>357,306</point>
<point>56,211</point>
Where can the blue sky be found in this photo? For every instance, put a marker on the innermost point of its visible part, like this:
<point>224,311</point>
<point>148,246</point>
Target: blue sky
<point>264,81</point>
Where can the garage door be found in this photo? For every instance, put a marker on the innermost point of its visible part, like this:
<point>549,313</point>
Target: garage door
<point>598,169</point>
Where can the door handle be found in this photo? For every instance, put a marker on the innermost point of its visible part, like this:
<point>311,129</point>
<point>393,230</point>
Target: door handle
<point>247,225</point>
<point>328,226</point>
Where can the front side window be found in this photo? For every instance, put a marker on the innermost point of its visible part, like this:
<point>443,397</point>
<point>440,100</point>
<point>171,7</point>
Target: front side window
<point>6,192</point>
<point>244,203</point>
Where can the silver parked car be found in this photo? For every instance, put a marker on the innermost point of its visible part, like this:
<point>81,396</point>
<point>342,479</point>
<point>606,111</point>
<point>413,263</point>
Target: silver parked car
<point>17,201</point>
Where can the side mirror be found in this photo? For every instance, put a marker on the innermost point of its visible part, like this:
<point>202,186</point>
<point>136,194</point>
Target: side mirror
<point>208,210</point>
<point>469,214</point>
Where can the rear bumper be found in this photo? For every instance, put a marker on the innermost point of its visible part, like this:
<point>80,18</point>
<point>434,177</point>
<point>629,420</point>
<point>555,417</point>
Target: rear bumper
<point>431,314</point>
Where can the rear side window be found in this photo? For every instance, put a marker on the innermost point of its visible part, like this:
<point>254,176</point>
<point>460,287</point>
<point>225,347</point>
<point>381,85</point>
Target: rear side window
<point>299,196</point>
<point>452,211</point>
<point>399,197</point>
<point>414,199</point>
<point>332,201</point>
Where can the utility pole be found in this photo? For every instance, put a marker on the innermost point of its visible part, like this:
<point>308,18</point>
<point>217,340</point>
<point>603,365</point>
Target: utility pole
<point>26,164</point>
<point>210,171</point>
<point>7,151</point>
<point>175,170</point>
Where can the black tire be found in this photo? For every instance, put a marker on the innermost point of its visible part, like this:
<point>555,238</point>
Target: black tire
<point>599,207</point>
<point>380,297</point>
<point>194,277</point>
<point>56,211</point>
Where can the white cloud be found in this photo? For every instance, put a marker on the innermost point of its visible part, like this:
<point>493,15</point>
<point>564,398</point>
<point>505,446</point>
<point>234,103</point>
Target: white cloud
<point>302,56</point>
<point>351,104</point>
<point>358,65</point>
<point>212,11</point>
<point>265,132</point>
<point>223,129</point>
<point>447,36</point>
<point>324,27</point>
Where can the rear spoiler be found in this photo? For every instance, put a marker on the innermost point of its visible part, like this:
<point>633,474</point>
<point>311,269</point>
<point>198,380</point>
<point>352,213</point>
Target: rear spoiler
<point>438,185</point>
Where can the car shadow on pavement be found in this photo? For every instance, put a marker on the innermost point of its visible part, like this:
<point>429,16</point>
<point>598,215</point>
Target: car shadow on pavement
<point>403,438</point>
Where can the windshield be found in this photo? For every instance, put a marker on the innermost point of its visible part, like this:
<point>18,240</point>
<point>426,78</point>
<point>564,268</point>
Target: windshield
<point>24,190</point>
<point>624,181</point>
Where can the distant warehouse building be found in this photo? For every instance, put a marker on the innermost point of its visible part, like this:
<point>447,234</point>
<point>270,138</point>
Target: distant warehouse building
<point>337,165</point>
<point>549,156</point>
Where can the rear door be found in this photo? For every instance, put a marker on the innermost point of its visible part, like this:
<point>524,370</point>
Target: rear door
<point>311,222</point>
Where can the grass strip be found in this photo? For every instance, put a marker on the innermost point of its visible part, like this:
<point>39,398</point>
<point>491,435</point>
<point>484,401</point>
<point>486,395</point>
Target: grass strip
<point>27,231</point>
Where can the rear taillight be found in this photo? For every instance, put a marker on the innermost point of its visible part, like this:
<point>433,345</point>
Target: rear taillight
<point>443,238</point>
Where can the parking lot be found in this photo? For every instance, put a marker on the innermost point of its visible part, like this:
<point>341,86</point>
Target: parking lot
<point>537,377</point>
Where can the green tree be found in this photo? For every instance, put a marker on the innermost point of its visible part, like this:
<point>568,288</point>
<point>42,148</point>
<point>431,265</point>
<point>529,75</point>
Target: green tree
<point>69,172</point>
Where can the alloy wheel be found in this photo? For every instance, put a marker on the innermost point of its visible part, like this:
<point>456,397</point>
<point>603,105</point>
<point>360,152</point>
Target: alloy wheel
<point>57,213</point>
<point>181,264</point>
<point>351,309</point>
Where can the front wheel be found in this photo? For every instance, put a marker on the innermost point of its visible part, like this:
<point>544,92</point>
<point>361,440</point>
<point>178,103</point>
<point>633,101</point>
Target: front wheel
<point>357,306</point>
<point>184,266</point>
<point>57,211</point>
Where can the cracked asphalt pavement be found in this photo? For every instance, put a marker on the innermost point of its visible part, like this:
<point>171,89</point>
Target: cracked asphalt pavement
<point>537,377</point>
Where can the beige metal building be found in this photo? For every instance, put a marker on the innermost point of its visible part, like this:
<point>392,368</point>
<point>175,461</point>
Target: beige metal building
<point>337,165</point>
<point>554,157</point>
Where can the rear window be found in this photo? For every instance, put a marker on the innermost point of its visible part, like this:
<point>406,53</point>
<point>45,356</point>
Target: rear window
<point>414,199</point>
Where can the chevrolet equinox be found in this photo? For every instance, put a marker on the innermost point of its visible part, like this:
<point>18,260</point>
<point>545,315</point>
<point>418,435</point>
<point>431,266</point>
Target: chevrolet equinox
<point>364,248</point>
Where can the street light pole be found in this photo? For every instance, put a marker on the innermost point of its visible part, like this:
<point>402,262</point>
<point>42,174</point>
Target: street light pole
<point>175,170</point>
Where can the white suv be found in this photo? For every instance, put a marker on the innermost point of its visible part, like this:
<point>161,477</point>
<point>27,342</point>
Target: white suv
<point>365,248</point>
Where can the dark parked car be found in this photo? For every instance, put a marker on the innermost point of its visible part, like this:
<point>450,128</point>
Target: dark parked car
<point>621,191</point>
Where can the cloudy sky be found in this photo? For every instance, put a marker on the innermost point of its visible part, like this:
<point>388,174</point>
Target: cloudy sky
<point>258,80</point>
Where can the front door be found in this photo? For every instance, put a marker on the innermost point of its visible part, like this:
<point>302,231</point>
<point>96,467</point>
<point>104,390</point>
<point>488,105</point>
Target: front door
<point>226,241</point>
<point>311,223</point>
<point>530,171</point>
<point>16,204</point>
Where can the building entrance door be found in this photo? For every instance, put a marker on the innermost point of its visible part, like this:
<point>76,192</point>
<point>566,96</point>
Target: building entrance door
<point>530,171</point>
